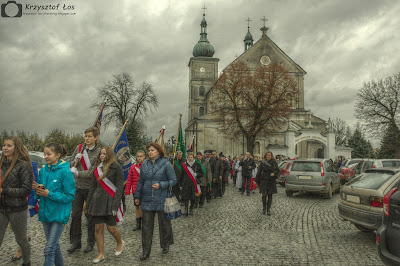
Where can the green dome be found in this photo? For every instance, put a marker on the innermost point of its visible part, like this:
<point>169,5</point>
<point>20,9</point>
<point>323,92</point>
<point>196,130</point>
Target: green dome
<point>248,36</point>
<point>203,48</point>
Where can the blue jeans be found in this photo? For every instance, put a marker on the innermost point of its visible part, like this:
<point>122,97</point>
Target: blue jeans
<point>52,251</point>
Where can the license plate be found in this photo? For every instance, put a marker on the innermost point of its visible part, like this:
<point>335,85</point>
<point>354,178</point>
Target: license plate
<point>307,177</point>
<point>352,198</point>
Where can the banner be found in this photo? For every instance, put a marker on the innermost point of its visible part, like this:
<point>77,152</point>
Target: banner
<point>122,153</point>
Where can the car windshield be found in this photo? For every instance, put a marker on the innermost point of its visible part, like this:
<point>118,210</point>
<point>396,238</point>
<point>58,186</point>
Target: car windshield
<point>372,180</point>
<point>306,166</point>
<point>37,159</point>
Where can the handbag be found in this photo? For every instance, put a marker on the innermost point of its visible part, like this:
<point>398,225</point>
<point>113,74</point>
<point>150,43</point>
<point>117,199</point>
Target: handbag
<point>172,208</point>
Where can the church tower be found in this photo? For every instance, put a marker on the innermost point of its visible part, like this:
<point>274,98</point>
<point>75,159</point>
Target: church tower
<point>203,72</point>
<point>248,39</point>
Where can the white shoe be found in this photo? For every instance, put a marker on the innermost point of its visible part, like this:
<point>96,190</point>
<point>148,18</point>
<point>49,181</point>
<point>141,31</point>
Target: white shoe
<point>117,253</point>
<point>98,260</point>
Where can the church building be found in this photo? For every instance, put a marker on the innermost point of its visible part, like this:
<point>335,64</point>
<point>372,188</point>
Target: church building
<point>304,136</point>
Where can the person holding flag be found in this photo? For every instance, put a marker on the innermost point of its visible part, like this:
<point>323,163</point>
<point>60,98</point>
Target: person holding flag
<point>207,177</point>
<point>104,199</point>
<point>85,156</point>
<point>190,180</point>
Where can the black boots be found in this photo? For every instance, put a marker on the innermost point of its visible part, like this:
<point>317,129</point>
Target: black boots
<point>264,202</point>
<point>74,247</point>
<point>186,210</point>
<point>191,210</point>
<point>138,224</point>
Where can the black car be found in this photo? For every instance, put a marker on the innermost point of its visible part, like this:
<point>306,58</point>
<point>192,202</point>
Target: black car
<point>388,235</point>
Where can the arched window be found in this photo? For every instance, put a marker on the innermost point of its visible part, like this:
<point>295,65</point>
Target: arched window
<point>257,149</point>
<point>201,111</point>
<point>202,91</point>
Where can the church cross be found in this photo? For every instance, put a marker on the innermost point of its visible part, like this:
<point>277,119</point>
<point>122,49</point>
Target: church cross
<point>264,19</point>
<point>248,22</point>
<point>204,8</point>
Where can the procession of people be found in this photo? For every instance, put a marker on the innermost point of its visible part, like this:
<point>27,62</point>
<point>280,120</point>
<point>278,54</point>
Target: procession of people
<point>92,185</point>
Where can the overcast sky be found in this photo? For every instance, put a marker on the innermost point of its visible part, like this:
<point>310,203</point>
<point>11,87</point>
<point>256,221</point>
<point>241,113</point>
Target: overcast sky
<point>51,65</point>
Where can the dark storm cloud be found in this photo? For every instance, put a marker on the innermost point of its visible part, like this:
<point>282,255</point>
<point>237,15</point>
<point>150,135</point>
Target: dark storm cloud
<point>51,66</point>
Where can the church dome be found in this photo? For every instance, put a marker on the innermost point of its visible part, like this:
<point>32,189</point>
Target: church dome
<point>248,36</point>
<point>203,47</point>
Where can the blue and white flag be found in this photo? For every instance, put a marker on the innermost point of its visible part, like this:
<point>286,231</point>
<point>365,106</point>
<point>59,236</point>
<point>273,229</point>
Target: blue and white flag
<point>122,154</point>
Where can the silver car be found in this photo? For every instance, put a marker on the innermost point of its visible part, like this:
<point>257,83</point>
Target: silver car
<point>312,175</point>
<point>361,199</point>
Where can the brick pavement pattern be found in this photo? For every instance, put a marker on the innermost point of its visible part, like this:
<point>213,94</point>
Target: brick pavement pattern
<point>303,230</point>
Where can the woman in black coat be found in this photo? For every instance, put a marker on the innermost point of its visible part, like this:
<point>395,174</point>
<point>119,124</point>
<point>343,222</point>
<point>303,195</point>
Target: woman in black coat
<point>267,174</point>
<point>185,181</point>
<point>104,199</point>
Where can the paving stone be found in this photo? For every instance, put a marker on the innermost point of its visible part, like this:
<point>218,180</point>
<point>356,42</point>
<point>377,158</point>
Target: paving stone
<point>303,230</point>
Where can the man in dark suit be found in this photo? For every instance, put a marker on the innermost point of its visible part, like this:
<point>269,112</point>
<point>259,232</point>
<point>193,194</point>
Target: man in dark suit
<point>247,165</point>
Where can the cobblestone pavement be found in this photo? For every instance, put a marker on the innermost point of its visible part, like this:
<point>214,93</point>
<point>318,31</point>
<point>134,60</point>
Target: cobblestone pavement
<point>303,230</point>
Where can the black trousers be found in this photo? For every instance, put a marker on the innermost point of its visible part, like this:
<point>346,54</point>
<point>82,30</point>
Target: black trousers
<point>223,186</point>
<point>75,233</point>
<point>203,195</point>
<point>164,227</point>
<point>247,188</point>
<point>216,189</point>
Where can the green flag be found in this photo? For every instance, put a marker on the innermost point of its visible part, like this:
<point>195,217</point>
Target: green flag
<point>180,143</point>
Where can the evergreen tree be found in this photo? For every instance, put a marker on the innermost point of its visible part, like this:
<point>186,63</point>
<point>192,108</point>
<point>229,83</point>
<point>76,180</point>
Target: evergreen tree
<point>390,144</point>
<point>361,147</point>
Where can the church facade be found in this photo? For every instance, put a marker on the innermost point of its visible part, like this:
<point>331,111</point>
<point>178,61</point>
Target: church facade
<point>304,136</point>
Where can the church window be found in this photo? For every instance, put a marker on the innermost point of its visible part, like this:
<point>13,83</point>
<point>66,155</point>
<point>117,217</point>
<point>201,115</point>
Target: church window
<point>201,111</point>
<point>202,91</point>
<point>257,149</point>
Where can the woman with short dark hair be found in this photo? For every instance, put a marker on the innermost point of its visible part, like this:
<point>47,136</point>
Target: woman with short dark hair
<point>266,177</point>
<point>156,177</point>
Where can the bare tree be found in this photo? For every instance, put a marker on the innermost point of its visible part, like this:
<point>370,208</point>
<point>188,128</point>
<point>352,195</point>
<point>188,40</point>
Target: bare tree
<point>253,103</point>
<point>342,131</point>
<point>378,105</point>
<point>125,100</point>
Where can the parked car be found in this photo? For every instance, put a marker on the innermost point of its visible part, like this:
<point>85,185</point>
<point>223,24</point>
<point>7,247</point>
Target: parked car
<point>361,200</point>
<point>312,175</point>
<point>38,157</point>
<point>345,172</point>
<point>388,235</point>
<point>284,171</point>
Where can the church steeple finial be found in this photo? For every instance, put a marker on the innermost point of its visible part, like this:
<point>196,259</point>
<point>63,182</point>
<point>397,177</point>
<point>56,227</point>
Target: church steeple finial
<point>203,47</point>
<point>248,39</point>
<point>264,29</point>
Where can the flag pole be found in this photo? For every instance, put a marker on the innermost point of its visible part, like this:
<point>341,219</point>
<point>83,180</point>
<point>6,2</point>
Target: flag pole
<point>120,133</point>
<point>98,115</point>
<point>176,144</point>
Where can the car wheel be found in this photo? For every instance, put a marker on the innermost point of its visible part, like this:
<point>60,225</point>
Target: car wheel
<point>289,193</point>
<point>362,228</point>
<point>329,193</point>
<point>282,184</point>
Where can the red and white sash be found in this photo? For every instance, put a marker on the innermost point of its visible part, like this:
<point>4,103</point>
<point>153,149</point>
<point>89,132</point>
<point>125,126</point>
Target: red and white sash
<point>85,158</point>
<point>110,188</point>
<point>190,173</point>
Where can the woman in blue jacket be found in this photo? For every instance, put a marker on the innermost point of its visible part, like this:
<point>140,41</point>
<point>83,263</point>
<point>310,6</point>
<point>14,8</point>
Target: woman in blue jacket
<point>156,177</point>
<point>55,200</point>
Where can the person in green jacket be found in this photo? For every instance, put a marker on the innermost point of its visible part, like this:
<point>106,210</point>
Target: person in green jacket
<point>56,191</point>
